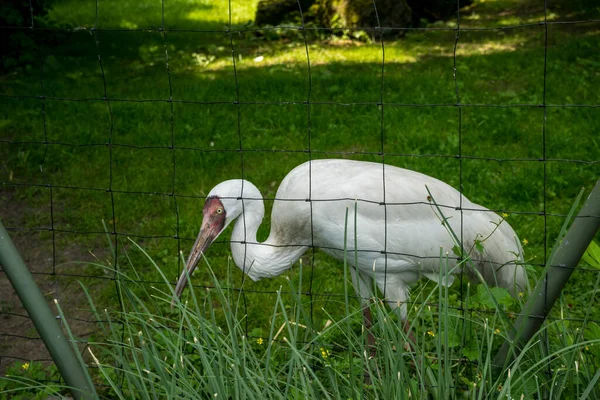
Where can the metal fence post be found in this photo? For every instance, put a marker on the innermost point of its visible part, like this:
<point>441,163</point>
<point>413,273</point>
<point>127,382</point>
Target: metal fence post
<point>550,286</point>
<point>72,370</point>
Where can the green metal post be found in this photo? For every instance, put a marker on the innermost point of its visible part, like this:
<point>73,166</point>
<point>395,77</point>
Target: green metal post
<point>562,265</point>
<point>74,373</point>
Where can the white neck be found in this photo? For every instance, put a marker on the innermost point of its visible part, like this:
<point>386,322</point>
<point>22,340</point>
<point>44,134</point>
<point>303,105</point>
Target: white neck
<point>260,260</point>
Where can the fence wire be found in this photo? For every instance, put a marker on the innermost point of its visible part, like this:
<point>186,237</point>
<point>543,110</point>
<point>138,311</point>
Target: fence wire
<point>108,100</point>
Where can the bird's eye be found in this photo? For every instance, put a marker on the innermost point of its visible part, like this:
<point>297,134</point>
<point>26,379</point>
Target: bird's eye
<point>219,211</point>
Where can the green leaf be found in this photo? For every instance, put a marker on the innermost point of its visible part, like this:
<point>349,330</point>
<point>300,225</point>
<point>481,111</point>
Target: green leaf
<point>257,332</point>
<point>457,251</point>
<point>470,350</point>
<point>479,246</point>
<point>453,338</point>
<point>592,255</point>
<point>593,329</point>
<point>484,297</point>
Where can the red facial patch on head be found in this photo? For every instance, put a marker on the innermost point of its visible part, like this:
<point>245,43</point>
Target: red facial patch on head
<point>214,212</point>
<point>213,203</point>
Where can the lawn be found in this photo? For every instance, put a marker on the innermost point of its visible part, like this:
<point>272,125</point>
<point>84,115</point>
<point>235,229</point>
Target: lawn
<point>123,128</point>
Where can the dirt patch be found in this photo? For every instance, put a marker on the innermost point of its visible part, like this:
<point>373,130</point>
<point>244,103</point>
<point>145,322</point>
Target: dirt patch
<point>57,264</point>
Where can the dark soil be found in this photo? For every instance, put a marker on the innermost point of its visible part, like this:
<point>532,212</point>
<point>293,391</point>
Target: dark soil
<point>53,261</point>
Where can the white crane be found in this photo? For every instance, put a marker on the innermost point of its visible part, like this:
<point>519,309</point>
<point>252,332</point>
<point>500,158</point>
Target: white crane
<point>398,229</point>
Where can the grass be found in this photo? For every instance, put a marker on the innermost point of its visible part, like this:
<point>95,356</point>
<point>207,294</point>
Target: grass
<point>201,349</point>
<point>154,155</point>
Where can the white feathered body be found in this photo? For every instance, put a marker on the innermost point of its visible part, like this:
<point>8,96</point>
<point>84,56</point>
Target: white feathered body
<point>399,232</point>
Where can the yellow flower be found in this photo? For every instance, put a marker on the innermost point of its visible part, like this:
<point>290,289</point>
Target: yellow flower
<point>496,331</point>
<point>521,294</point>
<point>324,352</point>
<point>431,333</point>
<point>25,366</point>
<point>525,242</point>
<point>504,215</point>
<point>259,340</point>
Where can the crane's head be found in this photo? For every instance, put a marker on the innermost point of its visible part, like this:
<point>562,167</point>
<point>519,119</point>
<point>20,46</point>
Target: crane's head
<point>223,205</point>
<point>213,223</point>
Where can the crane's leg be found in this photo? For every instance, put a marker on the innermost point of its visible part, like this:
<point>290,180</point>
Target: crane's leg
<point>368,322</point>
<point>412,340</point>
<point>366,294</point>
<point>396,292</point>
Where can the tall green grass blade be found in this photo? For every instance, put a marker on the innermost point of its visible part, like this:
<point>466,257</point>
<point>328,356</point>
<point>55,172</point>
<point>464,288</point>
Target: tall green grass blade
<point>592,255</point>
<point>517,331</point>
<point>73,342</point>
<point>115,387</point>
<point>591,386</point>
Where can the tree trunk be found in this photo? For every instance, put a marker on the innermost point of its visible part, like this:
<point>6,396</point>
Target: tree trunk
<point>388,14</point>
<point>434,10</point>
<point>274,12</point>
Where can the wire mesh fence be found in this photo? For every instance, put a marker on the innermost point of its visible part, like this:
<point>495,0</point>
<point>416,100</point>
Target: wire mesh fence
<point>124,123</point>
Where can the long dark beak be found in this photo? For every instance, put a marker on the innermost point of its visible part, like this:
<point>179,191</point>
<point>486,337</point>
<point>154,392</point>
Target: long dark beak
<point>204,240</point>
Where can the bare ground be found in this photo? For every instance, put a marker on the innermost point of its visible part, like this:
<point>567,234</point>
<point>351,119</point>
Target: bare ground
<point>52,268</point>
